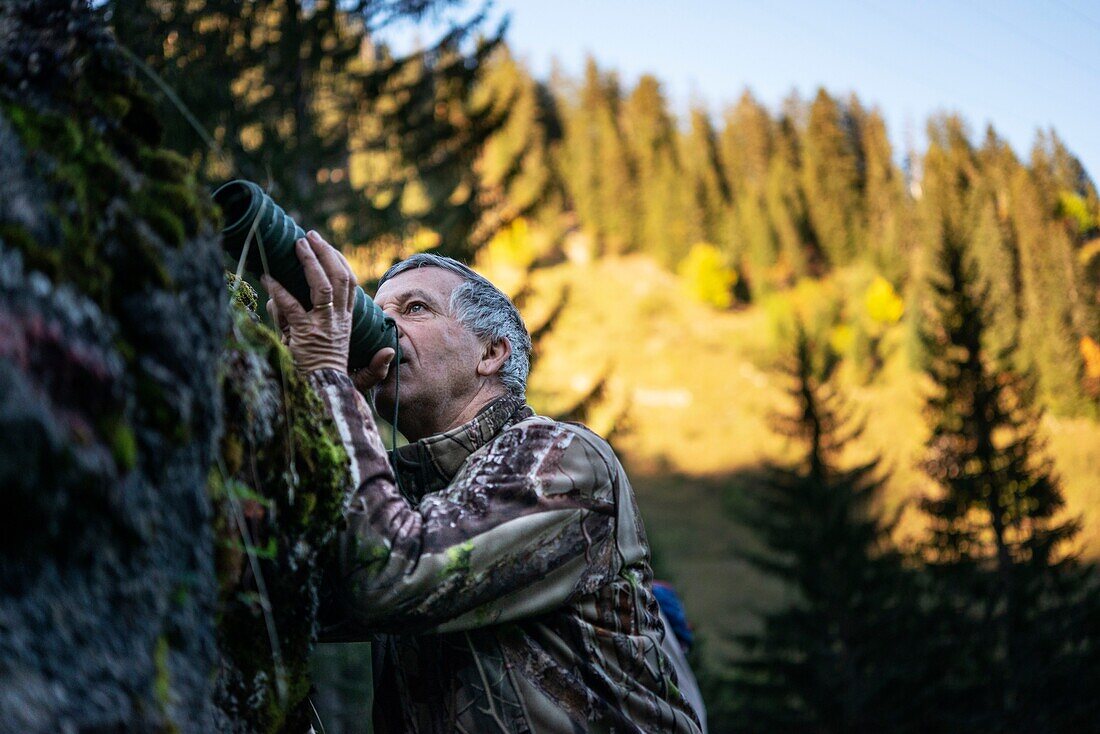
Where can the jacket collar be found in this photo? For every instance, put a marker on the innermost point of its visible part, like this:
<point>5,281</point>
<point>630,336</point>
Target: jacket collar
<point>429,465</point>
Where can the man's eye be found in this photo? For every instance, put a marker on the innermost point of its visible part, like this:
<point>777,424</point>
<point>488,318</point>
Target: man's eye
<point>415,307</point>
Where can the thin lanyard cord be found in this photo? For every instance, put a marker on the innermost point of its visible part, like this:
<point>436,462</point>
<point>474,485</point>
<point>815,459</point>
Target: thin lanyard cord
<point>396,405</point>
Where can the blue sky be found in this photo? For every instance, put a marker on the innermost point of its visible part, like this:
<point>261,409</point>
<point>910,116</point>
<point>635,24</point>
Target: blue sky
<point>1018,65</point>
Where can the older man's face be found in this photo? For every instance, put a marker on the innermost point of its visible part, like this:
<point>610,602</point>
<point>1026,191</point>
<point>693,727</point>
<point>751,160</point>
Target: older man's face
<point>439,356</point>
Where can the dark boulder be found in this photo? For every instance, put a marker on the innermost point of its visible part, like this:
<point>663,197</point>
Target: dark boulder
<point>143,412</point>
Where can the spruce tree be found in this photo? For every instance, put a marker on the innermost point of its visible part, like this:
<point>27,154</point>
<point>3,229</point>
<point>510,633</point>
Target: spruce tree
<point>429,115</point>
<point>832,178</point>
<point>517,171</point>
<point>708,193</point>
<point>747,147</point>
<point>788,210</point>
<point>885,207</point>
<point>1009,591</point>
<point>994,242</point>
<point>663,199</point>
<point>296,94</point>
<point>846,655</point>
<point>597,167</point>
<point>1058,311</point>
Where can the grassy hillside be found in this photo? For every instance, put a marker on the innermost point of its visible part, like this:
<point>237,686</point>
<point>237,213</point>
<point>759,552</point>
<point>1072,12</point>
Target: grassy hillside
<point>697,388</point>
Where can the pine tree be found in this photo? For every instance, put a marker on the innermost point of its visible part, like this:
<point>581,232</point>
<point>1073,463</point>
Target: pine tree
<point>1010,594</point>
<point>746,147</point>
<point>260,82</point>
<point>429,115</point>
<point>846,656</point>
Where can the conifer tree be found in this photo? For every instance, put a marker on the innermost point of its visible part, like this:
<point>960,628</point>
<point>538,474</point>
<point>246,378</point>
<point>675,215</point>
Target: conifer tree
<point>431,114</point>
<point>788,211</point>
<point>994,242</point>
<point>518,176</point>
<point>597,167</point>
<point>281,91</point>
<point>1058,311</point>
<point>664,200</point>
<point>708,193</point>
<point>831,177</point>
<point>1009,593</point>
<point>746,148</point>
<point>884,205</point>
<point>846,655</point>
<point>747,145</point>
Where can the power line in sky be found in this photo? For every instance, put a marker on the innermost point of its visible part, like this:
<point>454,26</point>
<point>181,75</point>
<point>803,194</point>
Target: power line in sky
<point>1025,35</point>
<point>1079,13</point>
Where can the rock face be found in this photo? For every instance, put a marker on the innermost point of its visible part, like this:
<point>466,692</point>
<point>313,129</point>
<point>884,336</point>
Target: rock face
<point>110,329</point>
<point>278,489</point>
<point>129,597</point>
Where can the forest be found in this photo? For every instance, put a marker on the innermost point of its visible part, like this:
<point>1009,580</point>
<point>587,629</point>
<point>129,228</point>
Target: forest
<point>857,388</point>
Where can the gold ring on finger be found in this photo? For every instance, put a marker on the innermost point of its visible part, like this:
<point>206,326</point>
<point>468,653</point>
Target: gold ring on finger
<point>324,305</point>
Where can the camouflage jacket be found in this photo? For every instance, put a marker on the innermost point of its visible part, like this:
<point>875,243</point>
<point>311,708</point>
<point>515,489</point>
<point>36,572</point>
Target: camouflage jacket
<point>510,572</point>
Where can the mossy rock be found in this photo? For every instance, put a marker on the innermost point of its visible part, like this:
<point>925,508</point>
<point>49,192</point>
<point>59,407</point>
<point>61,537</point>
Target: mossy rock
<point>282,478</point>
<point>128,385</point>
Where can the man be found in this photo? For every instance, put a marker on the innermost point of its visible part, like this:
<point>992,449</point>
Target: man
<point>506,560</point>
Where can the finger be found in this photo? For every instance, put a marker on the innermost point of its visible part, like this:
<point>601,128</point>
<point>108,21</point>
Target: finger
<point>277,317</point>
<point>335,266</point>
<point>353,287</point>
<point>286,304</point>
<point>320,289</point>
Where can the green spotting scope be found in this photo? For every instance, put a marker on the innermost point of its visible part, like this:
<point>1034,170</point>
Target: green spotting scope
<point>247,209</point>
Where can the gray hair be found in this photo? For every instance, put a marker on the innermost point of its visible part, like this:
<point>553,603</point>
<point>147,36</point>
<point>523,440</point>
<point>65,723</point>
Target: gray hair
<point>483,309</point>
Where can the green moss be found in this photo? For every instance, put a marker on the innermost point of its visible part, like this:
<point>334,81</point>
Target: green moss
<point>165,164</point>
<point>232,453</point>
<point>162,681</point>
<point>16,237</point>
<point>368,556</point>
<point>116,106</point>
<point>123,446</point>
<point>458,559</point>
<point>100,165</point>
<point>162,218</point>
<point>181,595</point>
<point>243,294</point>
<point>280,450</point>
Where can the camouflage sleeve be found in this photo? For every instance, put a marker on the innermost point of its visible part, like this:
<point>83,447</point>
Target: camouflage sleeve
<point>519,531</point>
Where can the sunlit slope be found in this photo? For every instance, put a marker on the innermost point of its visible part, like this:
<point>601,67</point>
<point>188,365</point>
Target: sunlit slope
<point>697,389</point>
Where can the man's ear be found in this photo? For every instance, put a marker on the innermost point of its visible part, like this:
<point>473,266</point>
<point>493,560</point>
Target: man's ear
<point>493,357</point>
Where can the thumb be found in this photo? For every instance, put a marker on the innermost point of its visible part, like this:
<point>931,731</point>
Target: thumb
<point>380,363</point>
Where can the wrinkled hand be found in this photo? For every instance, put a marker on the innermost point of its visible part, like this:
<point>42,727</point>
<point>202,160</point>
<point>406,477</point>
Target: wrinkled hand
<point>319,338</point>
